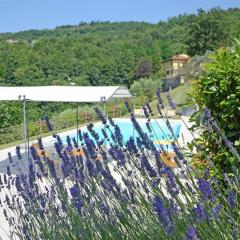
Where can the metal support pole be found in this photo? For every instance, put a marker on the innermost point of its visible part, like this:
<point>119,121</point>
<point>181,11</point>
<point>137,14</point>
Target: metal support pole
<point>103,99</point>
<point>77,122</point>
<point>24,124</point>
<point>134,103</point>
<point>66,119</point>
<point>27,128</point>
<point>105,109</point>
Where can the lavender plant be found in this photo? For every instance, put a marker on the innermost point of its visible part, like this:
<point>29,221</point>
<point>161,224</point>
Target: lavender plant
<point>109,188</point>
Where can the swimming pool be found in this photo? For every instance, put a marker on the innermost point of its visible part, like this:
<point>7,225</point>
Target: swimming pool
<point>159,135</point>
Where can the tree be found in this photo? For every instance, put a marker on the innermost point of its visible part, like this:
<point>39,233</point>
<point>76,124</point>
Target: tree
<point>144,69</point>
<point>206,32</point>
<point>146,87</point>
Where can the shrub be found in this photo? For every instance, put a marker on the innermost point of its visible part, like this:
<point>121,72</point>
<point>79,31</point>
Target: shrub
<point>219,91</point>
<point>145,87</point>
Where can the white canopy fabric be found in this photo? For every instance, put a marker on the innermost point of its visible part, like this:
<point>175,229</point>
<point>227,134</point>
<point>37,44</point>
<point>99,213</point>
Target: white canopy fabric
<point>63,93</point>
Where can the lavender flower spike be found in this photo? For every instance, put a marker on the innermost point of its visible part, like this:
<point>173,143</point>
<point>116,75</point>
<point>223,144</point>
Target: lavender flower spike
<point>100,115</point>
<point>191,233</point>
<point>171,103</point>
<point>49,125</point>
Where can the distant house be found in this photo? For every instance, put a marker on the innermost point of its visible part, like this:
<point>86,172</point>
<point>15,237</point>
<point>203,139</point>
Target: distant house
<point>172,74</point>
<point>11,41</point>
<point>172,65</point>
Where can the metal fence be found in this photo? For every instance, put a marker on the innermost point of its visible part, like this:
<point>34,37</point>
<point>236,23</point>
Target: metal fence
<point>39,128</point>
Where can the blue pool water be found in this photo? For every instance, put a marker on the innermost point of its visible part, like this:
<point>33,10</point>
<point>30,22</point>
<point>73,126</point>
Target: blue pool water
<point>161,133</point>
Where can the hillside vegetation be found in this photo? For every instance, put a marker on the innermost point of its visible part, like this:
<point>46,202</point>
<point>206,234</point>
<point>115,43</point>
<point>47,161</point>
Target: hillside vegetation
<point>104,53</point>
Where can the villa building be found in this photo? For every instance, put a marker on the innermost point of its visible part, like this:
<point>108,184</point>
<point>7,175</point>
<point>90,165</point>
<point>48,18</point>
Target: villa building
<point>172,65</point>
<point>172,74</point>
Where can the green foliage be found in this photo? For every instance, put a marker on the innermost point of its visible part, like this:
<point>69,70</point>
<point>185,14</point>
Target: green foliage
<point>145,87</point>
<point>195,67</point>
<point>219,90</point>
<point>10,113</point>
<point>144,69</point>
<point>211,30</point>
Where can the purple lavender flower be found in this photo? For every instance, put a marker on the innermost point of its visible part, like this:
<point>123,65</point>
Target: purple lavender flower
<point>90,167</point>
<point>90,147</point>
<point>10,158</point>
<point>118,135</point>
<point>100,115</point>
<point>232,199</point>
<point>200,212</point>
<point>120,157</point>
<point>139,143</point>
<point>51,167</point>
<point>230,147</point>
<point>1,181</point>
<point>146,165</point>
<point>31,174</point>
<point>162,214</point>
<point>111,121</point>
<point>40,144</point>
<point>177,151</point>
<point>128,107</point>
<point>149,108</point>
<point>99,166</point>
<point>75,142</point>
<point>5,178</point>
<point>7,200</point>
<point>104,133</point>
<point>130,144</point>
<point>78,204</point>
<point>160,100</point>
<point>18,183</point>
<point>8,171</point>
<point>205,189</point>
<point>207,114</point>
<point>68,139</point>
<point>146,114</point>
<point>169,126</point>
<point>171,103</point>
<point>59,140</point>
<point>148,127</point>
<point>80,134</point>
<point>74,190</point>
<point>92,131</point>
<point>159,110</point>
<point>5,214</point>
<point>155,182</point>
<point>34,154</point>
<point>49,125</point>
<point>105,208</point>
<point>216,210</point>
<point>18,153</point>
<point>58,149</point>
<point>191,233</point>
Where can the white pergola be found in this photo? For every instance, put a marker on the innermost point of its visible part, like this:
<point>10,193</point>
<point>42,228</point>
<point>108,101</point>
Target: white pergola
<point>74,94</point>
<point>63,93</point>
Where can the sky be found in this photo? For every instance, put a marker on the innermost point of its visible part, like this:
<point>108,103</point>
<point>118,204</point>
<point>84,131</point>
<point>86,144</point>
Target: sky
<point>18,15</point>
